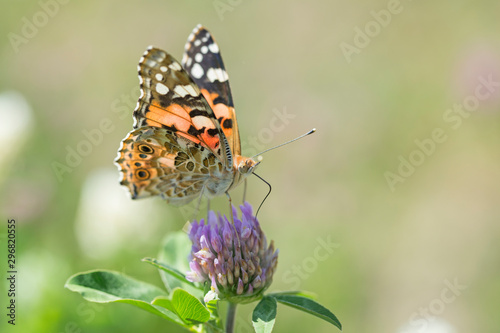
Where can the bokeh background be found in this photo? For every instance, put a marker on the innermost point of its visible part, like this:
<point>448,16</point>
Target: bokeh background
<point>418,253</point>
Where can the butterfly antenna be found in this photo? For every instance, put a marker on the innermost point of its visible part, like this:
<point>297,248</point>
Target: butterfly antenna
<point>270,189</point>
<point>285,143</point>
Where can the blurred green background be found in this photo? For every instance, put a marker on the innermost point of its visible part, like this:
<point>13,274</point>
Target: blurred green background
<point>405,215</point>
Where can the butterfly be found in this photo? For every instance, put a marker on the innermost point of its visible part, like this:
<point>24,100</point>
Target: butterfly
<point>185,141</point>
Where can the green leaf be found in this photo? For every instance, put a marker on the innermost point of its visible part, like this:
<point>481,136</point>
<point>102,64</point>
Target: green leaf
<point>309,306</point>
<point>212,307</point>
<point>264,315</point>
<point>103,286</point>
<point>169,270</point>
<point>305,294</point>
<point>175,253</point>
<point>185,305</point>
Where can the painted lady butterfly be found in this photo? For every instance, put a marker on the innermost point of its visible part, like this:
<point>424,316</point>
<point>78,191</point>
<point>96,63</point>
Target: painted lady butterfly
<point>185,141</point>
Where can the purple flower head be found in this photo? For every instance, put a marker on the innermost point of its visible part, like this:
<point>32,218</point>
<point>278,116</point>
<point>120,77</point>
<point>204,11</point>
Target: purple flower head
<point>234,259</point>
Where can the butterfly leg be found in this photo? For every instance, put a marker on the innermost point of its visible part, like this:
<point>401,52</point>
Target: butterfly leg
<point>230,207</point>
<point>245,191</point>
<point>238,244</point>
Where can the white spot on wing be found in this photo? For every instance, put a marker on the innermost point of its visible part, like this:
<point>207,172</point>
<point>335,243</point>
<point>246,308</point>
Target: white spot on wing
<point>197,42</point>
<point>198,57</point>
<point>219,74</point>
<point>161,89</point>
<point>213,48</point>
<point>180,90</point>
<point>147,93</point>
<point>163,68</point>
<point>197,71</point>
<point>149,62</point>
<point>185,90</point>
<point>175,66</point>
<point>191,90</point>
<point>159,77</point>
<point>204,49</point>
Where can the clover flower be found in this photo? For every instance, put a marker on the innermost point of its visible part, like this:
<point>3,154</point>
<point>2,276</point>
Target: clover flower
<point>235,259</point>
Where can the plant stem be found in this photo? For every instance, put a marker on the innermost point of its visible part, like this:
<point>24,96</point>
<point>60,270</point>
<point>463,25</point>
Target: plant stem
<point>231,315</point>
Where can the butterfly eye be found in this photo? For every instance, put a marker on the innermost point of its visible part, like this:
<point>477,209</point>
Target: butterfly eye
<point>243,168</point>
<point>145,149</point>
<point>142,174</point>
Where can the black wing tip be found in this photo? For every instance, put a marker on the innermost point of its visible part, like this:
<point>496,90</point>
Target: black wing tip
<point>199,29</point>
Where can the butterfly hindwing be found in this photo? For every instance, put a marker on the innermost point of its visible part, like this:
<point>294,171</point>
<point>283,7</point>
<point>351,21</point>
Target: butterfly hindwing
<point>156,161</point>
<point>203,61</point>
<point>171,100</point>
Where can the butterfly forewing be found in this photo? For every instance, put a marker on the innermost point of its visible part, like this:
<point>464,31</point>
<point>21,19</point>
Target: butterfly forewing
<point>203,61</point>
<point>171,100</point>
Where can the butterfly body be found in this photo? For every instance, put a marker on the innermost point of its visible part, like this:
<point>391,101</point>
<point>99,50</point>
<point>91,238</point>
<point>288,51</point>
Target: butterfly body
<point>185,141</point>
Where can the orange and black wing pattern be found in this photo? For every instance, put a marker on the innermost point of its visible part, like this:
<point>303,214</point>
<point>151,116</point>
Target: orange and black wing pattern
<point>203,61</point>
<point>170,99</point>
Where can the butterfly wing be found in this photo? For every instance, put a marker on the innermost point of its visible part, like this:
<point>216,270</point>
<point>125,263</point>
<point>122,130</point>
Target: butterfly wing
<point>171,100</point>
<point>178,148</point>
<point>203,61</point>
<point>157,161</point>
